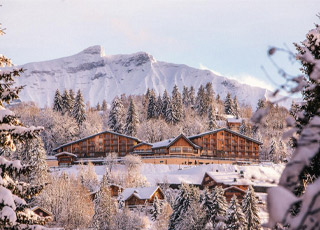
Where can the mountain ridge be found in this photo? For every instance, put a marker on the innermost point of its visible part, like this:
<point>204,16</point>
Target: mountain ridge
<point>100,76</point>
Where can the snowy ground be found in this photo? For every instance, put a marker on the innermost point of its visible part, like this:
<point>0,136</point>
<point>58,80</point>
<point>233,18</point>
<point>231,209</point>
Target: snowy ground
<point>175,174</point>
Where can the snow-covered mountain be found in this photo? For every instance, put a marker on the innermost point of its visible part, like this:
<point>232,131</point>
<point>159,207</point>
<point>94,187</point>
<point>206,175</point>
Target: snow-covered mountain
<point>100,76</point>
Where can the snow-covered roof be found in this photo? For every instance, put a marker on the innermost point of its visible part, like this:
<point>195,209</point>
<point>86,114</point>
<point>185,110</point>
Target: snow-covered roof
<point>82,139</point>
<point>65,153</point>
<point>169,142</point>
<point>228,130</point>
<point>252,175</point>
<point>44,210</point>
<point>234,120</point>
<point>142,193</point>
<point>51,158</point>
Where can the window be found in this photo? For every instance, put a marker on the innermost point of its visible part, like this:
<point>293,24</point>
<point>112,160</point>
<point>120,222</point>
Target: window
<point>91,154</point>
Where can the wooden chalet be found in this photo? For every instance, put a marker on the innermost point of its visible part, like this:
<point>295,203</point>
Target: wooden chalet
<point>65,158</point>
<point>234,124</point>
<point>220,143</point>
<point>141,196</point>
<point>233,190</point>
<point>224,179</point>
<point>99,145</point>
<point>42,212</point>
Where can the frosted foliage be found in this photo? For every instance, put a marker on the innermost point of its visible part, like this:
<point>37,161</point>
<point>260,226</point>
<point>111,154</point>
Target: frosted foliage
<point>282,198</point>
<point>14,212</point>
<point>88,177</point>
<point>115,122</point>
<point>250,210</point>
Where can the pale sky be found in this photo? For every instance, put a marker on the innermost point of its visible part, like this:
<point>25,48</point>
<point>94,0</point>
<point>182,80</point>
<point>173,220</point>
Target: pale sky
<point>230,37</point>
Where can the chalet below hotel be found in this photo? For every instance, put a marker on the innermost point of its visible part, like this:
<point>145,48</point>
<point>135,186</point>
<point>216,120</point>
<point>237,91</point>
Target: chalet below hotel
<point>218,146</point>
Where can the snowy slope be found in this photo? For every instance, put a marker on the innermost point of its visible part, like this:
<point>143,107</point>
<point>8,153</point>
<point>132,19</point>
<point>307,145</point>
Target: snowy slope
<point>100,76</point>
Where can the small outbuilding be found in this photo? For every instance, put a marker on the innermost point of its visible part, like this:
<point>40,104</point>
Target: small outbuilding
<point>141,196</point>
<point>65,158</point>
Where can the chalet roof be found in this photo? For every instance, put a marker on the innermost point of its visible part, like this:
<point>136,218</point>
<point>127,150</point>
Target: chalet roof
<point>42,209</point>
<point>107,131</point>
<point>234,120</point>
<point>235,188</point>
<point>169,142</point>
<point>142,193</point>
<point>228,130</point>
<point>142,143</point>
<point>65,153</point>
<point>234,178</point>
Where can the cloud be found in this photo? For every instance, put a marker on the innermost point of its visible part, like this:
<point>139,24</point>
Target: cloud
<point>243,78</point>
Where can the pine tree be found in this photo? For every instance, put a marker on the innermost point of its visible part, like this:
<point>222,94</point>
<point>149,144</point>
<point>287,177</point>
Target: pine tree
<point>220,205</point>
<point>209,94</point>
<point>151,109</point>
<point>33,153</point>
<point>261,104</point>
<point>57,102</point>
<point>212,123</point>
<point>200,104</point>
<point>235,109</point>
<point>159,107</point>
<point>79,112</point>
<point>156,209</point>
<point>185,96</point>
<point>72,98</point>
<point>132,121</point>
<point>228,105</point>
<point>98,107</point>
<point>176,104</point>
<point>105,207</point>
<point>115,116</point>
<point>208,206</point>
<point>243,128</point>
<point>165,103</point>
<point>13,208</point>
<point>66,103</point>
<point>235,217</point>
<point>250,210</point>
<point>181,205</point>
<point>104,105</point>
<point>191,96</point>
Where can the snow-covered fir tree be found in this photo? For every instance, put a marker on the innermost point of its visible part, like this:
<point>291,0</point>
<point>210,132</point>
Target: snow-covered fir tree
<point>228,105</point>
<point>243,128</point>
<point>220,205</point>
<point>33,153</point>
<point>105,207</point>
<point>192,96</point>
<point>159,107</point>
<point>176,104</point>
<point>181,205</point>
<point>235,219</point>
<point>165,103</point>
<point>104,105</point>
<point>72,98</point>
<point>212,122</point>
<point>251,210</point>
<point>66,103</point>
<point>57,102</point>
<point>155,209</point>
<point>152,105</point>
<point>261,103</point>
<point>185,96</point>
<point>79,111</point>
<point>132,120</point>
<point>88,177</point>
<point>236,108</point>
<point>209,94</point>
<point>115,122</point>
<point>13,208</point>
<point>201,105</point>
<point>208,206</point>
